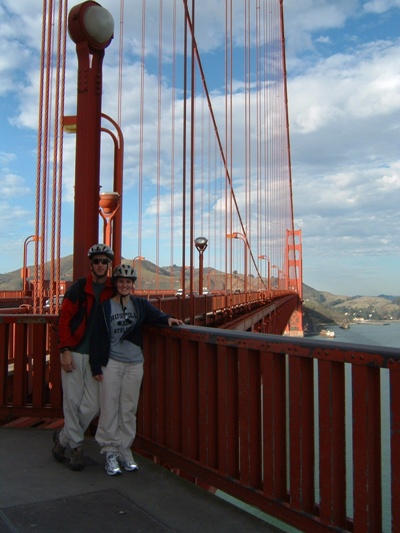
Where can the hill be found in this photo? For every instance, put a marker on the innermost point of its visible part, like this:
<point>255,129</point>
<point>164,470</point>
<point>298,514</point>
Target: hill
<point>320,307</point>
<point>336,308</point>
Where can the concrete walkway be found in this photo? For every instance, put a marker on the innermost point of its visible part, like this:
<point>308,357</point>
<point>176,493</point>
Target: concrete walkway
<point>39,495</point>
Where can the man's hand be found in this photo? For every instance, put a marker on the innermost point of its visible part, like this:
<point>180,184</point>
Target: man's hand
<point>67,361</point>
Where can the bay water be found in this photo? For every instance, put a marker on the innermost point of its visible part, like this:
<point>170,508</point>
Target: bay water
<point>375,334</point>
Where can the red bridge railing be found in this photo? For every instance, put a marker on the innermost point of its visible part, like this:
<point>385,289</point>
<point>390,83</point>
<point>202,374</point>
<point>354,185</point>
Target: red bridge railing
<point>304,429</point>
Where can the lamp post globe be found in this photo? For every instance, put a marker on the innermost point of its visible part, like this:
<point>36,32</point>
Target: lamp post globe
<point>99,24</point>
<point>201,244</point>
<point>92,23</point>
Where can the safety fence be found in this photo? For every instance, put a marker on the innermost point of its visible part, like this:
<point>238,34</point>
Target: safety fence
<point>307,430</point>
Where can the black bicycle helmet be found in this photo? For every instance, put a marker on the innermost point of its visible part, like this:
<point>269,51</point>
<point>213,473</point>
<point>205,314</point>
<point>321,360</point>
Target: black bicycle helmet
<point>102,249</point>
<point>124,271</point>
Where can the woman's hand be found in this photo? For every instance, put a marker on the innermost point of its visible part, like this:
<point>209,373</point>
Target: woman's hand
<point>99,377</point>
<point>174,322</point>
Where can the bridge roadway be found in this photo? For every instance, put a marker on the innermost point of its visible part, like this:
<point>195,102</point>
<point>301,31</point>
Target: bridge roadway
<point>38,494</point>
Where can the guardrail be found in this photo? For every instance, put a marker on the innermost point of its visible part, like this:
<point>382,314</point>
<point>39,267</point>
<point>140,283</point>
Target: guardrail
<point>300,428</point>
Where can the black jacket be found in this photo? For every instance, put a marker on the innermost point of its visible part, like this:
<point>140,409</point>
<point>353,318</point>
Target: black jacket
<point>100,338</point>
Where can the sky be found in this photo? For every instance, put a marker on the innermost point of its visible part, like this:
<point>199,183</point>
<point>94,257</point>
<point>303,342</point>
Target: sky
<point>343,75</point>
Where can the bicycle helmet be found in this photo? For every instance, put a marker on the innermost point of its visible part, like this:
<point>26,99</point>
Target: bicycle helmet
<point>124,271</point>
<point>102,249</point>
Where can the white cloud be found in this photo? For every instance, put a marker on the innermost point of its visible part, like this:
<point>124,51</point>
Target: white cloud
<point>344,110</point>
<point>380,6</point>
<point>13,186</point>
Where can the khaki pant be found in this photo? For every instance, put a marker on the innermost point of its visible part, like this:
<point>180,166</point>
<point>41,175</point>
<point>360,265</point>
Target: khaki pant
<point>80,401</point>
<point>119,397</point>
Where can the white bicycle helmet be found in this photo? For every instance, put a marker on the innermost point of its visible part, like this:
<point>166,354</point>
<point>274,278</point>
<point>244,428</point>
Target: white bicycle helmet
<point>124,271</point>
<point>98,249</point>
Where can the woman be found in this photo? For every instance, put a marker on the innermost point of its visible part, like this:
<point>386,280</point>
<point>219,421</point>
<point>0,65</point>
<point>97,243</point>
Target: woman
<point>116,360</point>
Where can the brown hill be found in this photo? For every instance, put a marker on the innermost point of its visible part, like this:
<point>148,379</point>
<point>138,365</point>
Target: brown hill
<point>325,307</point>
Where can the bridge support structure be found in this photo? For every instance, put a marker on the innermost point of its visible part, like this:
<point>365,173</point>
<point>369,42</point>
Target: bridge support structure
<point>294,277</point>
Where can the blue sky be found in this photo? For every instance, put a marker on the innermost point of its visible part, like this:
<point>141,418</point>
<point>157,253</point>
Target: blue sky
<point>343,62</point>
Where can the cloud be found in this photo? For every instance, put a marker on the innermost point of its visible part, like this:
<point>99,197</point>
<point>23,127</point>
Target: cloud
<point>13,186</point>
<point>363,84</point>
<point>343,60</point>
<point>380,6</point>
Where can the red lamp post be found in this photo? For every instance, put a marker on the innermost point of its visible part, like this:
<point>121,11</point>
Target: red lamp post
<point>139,270</point>
<point>278,271</point>
<point>91,27</point>
<point>69,126</point>
<point>269,269</point>
<point>243,238</point>
<point>25,269</point>
<point>201,244</point>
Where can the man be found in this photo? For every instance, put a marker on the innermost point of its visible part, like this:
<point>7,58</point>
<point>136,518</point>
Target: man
<point>80,389</point>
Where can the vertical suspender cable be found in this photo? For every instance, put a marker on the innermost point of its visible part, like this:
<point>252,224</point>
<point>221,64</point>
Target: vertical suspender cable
<point>173,105</point>
<point>46,146</point>
<point>141,123</point>
<point>228,99</point>
<point>158,142</point>
<point>56,164</point>
<point>39,157</point>
<point>192,145</point>
<point>120,59</point>
<point>61,138</point>
<point>184,147</point>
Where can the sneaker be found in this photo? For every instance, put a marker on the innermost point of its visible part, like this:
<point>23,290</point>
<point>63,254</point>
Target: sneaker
<point>126,459</point>
<point>58,450</point>
<point>76,462</point>
<point>112,465</point>
<point>129,465</point>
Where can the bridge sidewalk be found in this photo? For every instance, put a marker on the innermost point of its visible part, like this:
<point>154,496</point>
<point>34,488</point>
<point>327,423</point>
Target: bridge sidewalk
<point>38,494</point>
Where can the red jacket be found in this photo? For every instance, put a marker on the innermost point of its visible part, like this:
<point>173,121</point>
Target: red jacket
<point>76,309</point>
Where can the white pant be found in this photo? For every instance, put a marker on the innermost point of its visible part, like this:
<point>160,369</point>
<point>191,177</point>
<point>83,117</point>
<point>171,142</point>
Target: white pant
<point>119,397</point>
<point>80,401</point>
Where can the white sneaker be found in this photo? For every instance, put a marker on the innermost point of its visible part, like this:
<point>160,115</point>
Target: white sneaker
<point>126,460</point>
<point>129,465</point>
<point>112,466</point>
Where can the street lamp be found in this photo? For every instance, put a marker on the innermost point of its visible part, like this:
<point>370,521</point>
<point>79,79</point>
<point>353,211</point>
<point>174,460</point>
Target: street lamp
<point>69,126</point>
<point>109,204</point>
<point>91,28</point>
<point>201,244</point>
<point>25,269</point>
<point>240,236</point>
<point>276,266</point>
<point>139,273</point>
<point>269,269</point>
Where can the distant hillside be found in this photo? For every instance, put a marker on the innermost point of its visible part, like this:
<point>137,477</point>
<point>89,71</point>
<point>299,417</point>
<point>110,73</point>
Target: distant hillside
<point>150,275</point>
<point>320,307</point>
<point>337,308</point>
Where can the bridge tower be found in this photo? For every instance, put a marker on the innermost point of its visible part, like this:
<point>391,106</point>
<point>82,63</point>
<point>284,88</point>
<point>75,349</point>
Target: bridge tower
<point>294,273</point>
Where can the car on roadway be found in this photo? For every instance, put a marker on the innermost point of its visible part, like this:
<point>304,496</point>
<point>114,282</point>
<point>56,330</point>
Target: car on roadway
<point>46,307</point>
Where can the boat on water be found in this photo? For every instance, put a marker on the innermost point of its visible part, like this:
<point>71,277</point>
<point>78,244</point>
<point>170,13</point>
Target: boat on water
<point>327,333</point>
<point>345,324</point>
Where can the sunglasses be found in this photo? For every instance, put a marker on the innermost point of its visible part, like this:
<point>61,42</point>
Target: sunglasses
<point>98,261</point>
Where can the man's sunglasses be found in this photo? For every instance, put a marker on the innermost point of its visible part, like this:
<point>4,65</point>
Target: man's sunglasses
<point>102,261</point>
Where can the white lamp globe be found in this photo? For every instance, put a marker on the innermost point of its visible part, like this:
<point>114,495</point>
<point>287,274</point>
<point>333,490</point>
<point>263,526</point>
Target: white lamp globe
<point>98,23</point>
